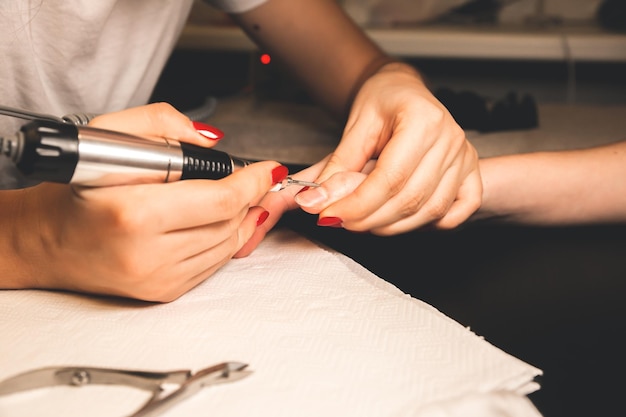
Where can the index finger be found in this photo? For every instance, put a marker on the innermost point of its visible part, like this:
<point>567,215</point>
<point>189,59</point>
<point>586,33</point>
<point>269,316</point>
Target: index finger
<point>390,173</point>
<point>157,120</point>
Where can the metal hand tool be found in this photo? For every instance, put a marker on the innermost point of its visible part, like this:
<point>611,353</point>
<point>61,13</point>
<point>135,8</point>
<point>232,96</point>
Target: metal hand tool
<point>292,181</point>
<point>161,400</point>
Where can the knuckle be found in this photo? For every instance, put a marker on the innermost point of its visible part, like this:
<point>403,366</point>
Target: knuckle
<point>335,162</point>
<point>394,180</point>
<point>460,146</point>
<point>162,107</point>
<point>125,220</point>
<point>436,115</point>
<point>161,113</point>
<point>437,208</point>
<point>411,205</point>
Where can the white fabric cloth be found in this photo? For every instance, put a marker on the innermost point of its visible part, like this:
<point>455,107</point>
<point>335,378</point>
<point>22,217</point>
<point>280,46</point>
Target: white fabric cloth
<point>79,55</point>
<point>84,56</point>
<point>61,57</point>
<point>322,335</point>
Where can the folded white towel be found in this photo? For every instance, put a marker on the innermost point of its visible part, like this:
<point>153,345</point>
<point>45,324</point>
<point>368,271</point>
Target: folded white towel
<point>324,337</point>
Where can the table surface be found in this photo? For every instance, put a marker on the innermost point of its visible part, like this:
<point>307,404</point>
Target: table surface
<point>303,134</point>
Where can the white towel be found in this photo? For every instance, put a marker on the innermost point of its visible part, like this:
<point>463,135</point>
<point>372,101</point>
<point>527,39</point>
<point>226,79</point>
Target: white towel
<point>322,335</point>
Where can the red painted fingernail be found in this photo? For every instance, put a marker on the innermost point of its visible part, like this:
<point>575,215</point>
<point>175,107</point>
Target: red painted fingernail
<point>262,217</point>
<point>279,174</point>
<point>329,221</point>
<point>209,132</point>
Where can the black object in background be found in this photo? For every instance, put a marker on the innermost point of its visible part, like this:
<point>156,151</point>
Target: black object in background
<point>473,112</point>
<point>612,14</point>
<point>474,11</point>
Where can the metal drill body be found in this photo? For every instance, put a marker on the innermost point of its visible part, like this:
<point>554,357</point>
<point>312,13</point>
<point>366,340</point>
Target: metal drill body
<point>59,152</point>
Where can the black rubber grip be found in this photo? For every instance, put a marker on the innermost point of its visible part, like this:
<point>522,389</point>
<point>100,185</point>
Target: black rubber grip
<point>50,151</point>
<point>204,163</point>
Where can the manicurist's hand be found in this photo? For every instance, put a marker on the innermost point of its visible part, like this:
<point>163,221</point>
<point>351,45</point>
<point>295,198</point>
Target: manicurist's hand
<point>151,241</point>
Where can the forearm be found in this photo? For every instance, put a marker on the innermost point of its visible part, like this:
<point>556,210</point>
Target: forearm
<point>316,41</point>
<point>556,188</point>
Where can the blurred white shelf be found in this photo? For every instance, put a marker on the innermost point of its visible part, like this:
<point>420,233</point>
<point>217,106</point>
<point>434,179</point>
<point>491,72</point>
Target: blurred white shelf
<point>558,43</point>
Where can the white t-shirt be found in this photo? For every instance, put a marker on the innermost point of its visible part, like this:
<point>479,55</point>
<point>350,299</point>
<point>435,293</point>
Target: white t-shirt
<point>92,56</point>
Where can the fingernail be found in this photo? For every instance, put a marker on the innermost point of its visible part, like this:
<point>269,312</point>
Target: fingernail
<point>209,132</point>
<point>314,197</point>
<point>279,174</point>
<point>262,217</point>
<point>306,187</point>
<point>329,221</point>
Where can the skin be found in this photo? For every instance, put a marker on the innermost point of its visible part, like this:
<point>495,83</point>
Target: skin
<point>557,188</point>
<point>426,171</point>
<point>572,187</point>
<point>130,241</point>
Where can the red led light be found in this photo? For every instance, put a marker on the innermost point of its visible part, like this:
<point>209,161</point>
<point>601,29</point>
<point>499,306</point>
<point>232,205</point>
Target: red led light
<point>265,59</point>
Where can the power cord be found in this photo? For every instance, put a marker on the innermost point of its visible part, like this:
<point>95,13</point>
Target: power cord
<point>73,118</point>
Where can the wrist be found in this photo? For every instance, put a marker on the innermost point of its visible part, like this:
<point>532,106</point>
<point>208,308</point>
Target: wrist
<point>370,69</point>
<point>15,241</point>
<point>399,66</point>
<point>504,191</point>
<point>380,64</point>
